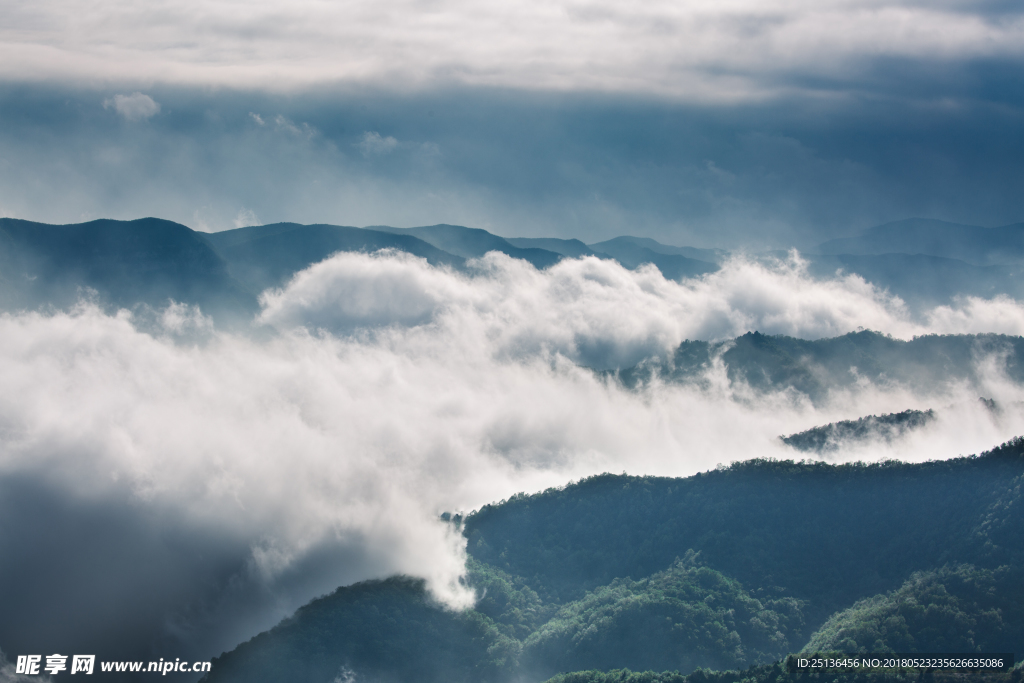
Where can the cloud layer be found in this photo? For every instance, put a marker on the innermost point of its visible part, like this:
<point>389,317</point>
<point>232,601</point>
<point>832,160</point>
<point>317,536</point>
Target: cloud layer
<point>699,51</point>
<point>134,107</point>
<point>206,484</point>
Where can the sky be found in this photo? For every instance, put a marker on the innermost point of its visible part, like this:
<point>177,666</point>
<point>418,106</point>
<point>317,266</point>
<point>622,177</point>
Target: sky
<point>171,488</point>
<point>712,124</point>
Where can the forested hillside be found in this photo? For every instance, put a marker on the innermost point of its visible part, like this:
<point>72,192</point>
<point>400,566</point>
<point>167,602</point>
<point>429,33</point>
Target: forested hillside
<point>888,428</point>
<point>957,608</point>
<point>817,367</point>
<point>725,570</point>
<point>786,673</point>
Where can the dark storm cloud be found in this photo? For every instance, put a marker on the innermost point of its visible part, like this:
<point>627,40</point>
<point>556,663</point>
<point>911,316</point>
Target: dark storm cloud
<point>120,551</point>
<point>122,578</point>
<point>904,143</point>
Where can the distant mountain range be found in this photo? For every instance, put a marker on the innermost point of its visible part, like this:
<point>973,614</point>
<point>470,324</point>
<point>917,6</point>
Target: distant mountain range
<point>123,262</point>
<point>150,260</point>
<point>269,255</point>
<point>969,243</point>
<point>929,261</point>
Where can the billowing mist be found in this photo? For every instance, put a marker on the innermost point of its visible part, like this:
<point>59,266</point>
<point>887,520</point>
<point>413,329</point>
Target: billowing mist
<point>172,488</point>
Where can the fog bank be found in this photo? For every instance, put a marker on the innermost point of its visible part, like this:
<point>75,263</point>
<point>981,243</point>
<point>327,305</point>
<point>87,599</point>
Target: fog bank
<point>170,488</point>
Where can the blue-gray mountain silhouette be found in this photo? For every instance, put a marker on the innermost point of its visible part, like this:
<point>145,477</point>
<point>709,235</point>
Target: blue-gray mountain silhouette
<point>269,255</point>
<point>474,243</point>
<point>971,243</point>
<point>148,260</point>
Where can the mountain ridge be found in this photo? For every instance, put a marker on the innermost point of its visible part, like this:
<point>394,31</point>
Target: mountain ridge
<point>727,551</point>
<point>229,269</point>
<point>1003,245</point>
<point>148,260</point>
<point>814,368</point>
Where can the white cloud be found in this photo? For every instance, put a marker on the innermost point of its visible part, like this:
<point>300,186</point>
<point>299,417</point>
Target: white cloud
<point>8,671</point>
<point>320,452</point>
<point>246,218</point>
<point>134,107</point>
<point>372,144</point>
<point>301,129</point>
<point>598,313</point>
<point>700,50</point>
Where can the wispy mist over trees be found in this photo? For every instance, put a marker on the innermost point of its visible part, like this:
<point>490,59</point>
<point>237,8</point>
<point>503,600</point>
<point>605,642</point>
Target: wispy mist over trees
<point>728,569</point>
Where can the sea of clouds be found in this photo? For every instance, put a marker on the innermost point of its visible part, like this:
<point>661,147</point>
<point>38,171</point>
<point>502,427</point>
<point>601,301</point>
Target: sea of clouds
<point>170,488</point>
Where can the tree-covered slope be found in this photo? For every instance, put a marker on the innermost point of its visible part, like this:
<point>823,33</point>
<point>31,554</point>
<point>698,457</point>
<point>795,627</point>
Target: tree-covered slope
<point>817,367</point>
<point>830,437</point>
<point>785,672</point>
<point>685,617</point>
<point>822,532</point>
<point>726,569</point>
<point>388,631</point>
<point>960,608</point>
